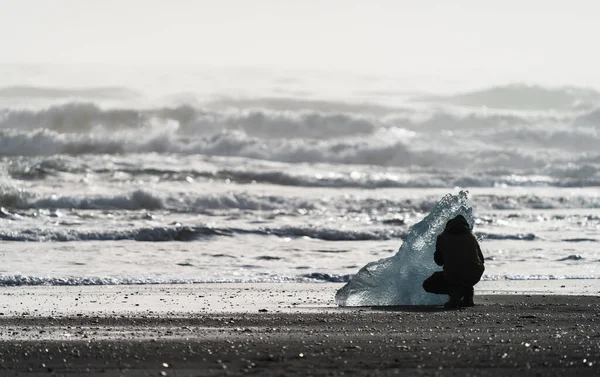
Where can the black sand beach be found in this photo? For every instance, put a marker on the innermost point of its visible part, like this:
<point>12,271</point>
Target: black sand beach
<point>523,335</point>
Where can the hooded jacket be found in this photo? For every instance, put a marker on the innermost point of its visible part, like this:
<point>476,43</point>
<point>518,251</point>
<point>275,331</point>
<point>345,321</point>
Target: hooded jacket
<point>458,251</point>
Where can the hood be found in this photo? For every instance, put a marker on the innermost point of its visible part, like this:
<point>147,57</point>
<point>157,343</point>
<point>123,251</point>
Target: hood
<point>457,225</point>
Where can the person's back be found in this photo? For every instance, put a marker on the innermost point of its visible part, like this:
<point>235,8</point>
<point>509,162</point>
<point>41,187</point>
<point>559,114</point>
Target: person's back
<point>458,251</point>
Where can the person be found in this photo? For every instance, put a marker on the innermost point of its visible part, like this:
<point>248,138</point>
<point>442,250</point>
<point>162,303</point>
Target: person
<point>458,251</point>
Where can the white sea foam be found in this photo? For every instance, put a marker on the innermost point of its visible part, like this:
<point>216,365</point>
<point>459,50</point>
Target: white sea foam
<point>336,278</point>
<point>562,175</point>
<point>540,277</point>
<point>143,199</point>
<point>34,280</point>
<point>30,280</point>
<point>382,148</point>
<point>156,234</point>
<point>194,233</point>
<point>559,148</point>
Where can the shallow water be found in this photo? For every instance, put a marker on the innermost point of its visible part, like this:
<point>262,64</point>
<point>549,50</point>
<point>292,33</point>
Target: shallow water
<point>251,232</point>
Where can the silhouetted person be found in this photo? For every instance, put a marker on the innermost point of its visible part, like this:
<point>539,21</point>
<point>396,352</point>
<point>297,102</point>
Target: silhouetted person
<point>458,251</point>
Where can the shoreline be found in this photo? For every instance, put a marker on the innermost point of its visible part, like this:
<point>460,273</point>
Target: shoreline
<point>291,330</point>
<point>183,299</point>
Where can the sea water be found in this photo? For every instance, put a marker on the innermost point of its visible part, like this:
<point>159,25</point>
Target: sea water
<point>281,177</point>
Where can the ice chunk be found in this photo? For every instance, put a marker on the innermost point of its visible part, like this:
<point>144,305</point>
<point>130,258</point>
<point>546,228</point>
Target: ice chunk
<point>398,280</point>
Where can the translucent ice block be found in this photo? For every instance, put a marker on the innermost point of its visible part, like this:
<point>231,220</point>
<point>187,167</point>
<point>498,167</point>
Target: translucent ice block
<point>398,280</point>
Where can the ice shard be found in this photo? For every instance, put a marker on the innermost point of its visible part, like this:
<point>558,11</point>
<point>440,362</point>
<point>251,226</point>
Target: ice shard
<point>398,280</point>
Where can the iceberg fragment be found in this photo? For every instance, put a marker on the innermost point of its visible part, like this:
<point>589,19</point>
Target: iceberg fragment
<point>398,280</point>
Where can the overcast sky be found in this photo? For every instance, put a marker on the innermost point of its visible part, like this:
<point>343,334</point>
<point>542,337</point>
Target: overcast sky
<point>517,40</point>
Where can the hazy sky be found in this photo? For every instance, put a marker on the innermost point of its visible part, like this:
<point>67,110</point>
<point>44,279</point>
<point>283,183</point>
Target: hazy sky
<point>535,40</point>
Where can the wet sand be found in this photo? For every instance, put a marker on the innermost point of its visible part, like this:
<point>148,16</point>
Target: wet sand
<point>290,330</point>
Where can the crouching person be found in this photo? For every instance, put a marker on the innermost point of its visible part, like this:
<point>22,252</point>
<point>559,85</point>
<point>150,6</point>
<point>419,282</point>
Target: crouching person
<point>458,251</point>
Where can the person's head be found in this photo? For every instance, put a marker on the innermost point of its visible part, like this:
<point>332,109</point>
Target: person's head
<point>458,225</point>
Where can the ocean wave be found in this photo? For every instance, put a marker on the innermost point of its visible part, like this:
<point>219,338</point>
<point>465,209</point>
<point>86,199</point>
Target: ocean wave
<point>582,239</point>
<point>191,233</point>
<point>15,200</point>
<point>25,280</point>
<point>328,234</point>
<point>78,117</point>
<point>517,237</point>
<point>538,277</point>
<point>501,202</point>
<point>542,137</point>
<point>354,179</point>
<point>386,147</point>
<point>517,96</point>
<point>24,168</point>
<point>30,280</point>
<point>32,92</point>
<point>339,121</point>
<point>344,278</point>
<point>156,234</point>
<point>583,174</point>
<point>144,199</point>
<point>433,139</point>
<point>329,278</point>
<point>523,97</point>
<point>590,119</point>
<point>72,117</point>
<point>261,118</point>
<point>571,258</point>
<point>303,104</point>
<point>135,200</point>
<point>586,175</point>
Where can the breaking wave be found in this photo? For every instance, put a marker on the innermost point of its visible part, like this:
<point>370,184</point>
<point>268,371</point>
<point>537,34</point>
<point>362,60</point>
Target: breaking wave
<point>143,199</point>
<point>157,234</point>
<point>344,278</point>
<point>16,201</point>
<point>29,280</point>
<point>138,199</point>
<point>193,233</point>
<point>517,237</point>
<point>78,117</point>
<point>538,277</point>
<point>450,147</point>
<point>585,174</point>
<point>428,138</point>
<point>387,147</point>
